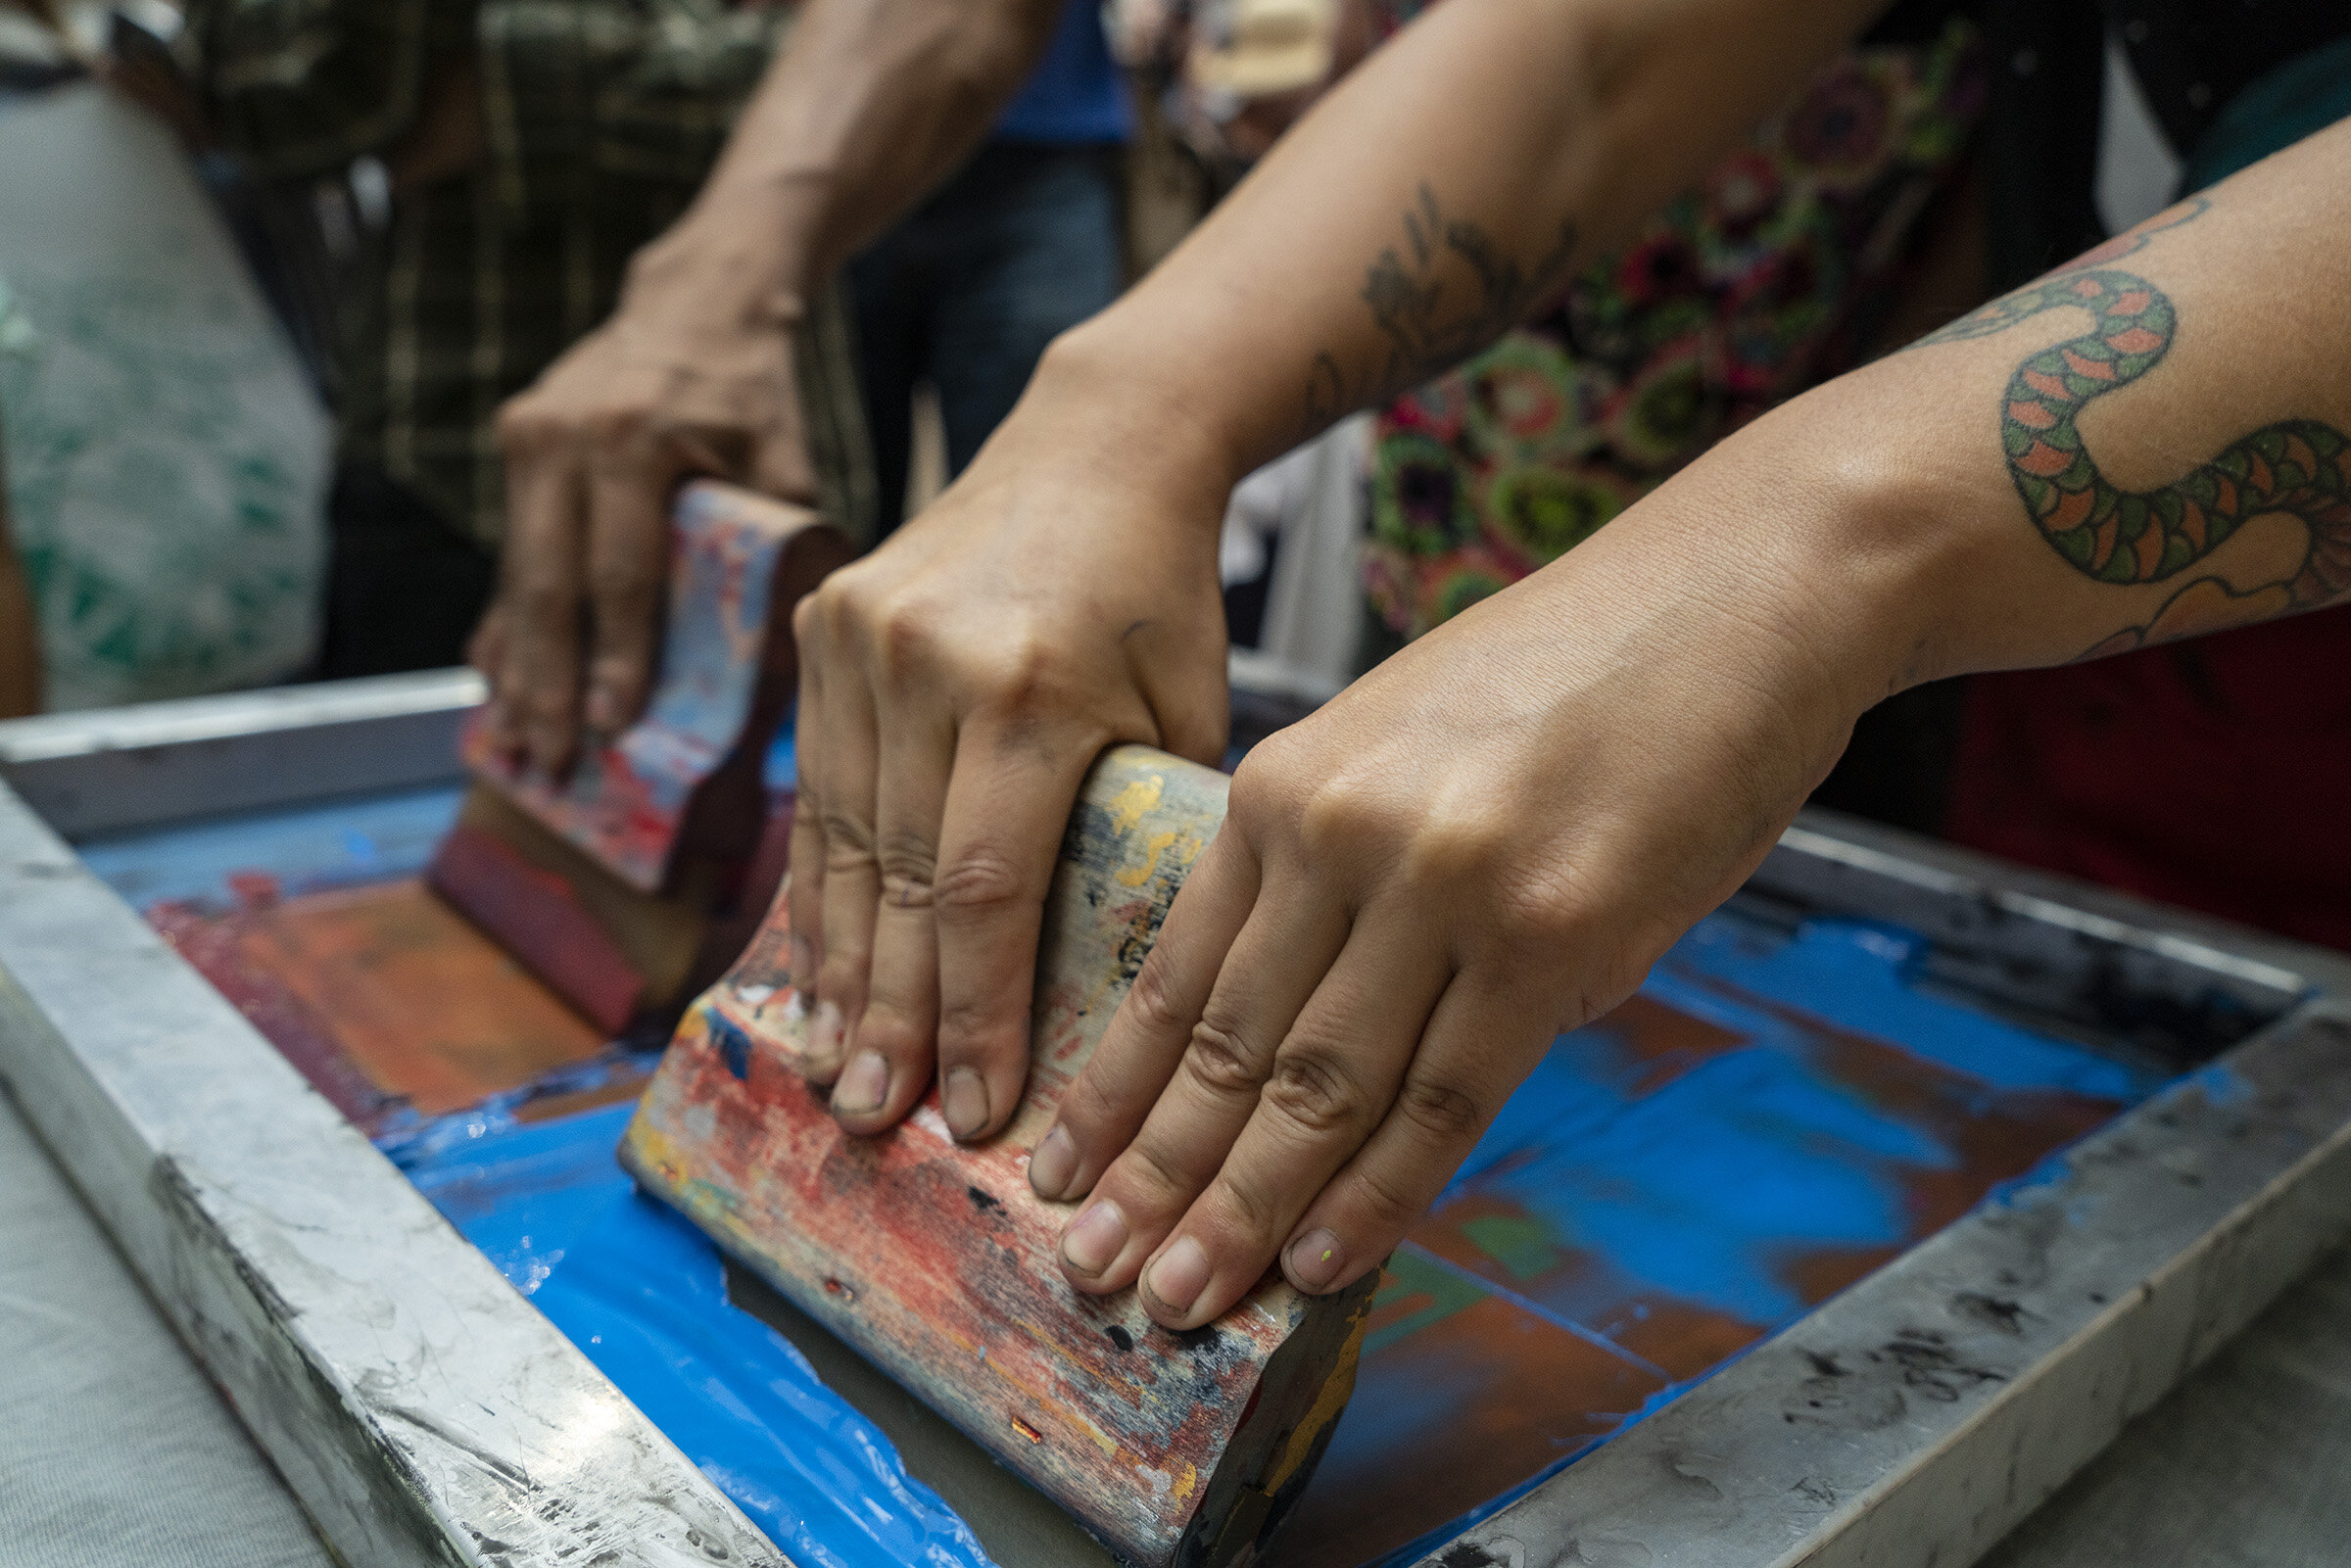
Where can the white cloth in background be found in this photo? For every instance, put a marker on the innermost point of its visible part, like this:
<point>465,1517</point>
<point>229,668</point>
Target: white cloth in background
<point>167,460</point>
<point>2138,173</point>
<point>1315,502</point>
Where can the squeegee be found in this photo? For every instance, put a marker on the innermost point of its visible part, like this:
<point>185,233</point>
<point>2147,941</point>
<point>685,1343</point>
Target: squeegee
<point>937,1260</point>
<point>617,885</point>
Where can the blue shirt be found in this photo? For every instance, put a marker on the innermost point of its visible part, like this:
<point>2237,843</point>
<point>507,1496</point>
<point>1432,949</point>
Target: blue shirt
<point>1076,95</point>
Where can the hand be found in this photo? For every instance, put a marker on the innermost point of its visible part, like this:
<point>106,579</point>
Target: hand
<point>1486,840</point>
<point>955,685</point>
<point>686,379</point>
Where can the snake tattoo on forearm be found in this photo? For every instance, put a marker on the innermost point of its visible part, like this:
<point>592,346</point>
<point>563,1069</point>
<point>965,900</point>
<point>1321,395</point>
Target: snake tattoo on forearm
<point>2300,467</point>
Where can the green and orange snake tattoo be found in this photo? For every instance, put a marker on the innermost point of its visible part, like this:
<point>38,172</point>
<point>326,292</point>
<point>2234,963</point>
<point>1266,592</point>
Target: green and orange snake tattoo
<point>2294,466</point>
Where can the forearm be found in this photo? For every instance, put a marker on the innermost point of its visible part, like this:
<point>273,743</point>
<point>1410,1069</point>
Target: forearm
<point>1438,196</point>
<point>869,105</point>
<point>2147,445</point>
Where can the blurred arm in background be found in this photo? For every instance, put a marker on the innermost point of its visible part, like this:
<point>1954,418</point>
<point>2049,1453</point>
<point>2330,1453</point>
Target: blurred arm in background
<point>870,103</point>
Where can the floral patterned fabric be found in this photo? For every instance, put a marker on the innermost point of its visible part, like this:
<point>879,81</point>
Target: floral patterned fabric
<point>1762,282</point>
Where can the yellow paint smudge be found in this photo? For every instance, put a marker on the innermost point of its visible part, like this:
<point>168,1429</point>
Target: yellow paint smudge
<point>1329,1404</point>
<point>1153,847</point>
<point>1128,806</point>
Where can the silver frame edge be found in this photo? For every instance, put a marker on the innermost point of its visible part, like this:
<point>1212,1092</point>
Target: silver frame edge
<point>1914,1419</point>
<point>421,1408</point>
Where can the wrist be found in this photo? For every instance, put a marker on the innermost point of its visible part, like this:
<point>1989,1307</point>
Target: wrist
<point>1811,552</point>
<point>1099,397</point>
<point>716,277</point>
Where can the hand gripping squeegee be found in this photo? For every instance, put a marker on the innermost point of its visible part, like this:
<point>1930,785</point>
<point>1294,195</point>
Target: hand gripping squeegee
<point>936,1261</point>
<point>620,886</point>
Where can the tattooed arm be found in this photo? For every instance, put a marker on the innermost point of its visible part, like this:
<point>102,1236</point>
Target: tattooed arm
<point>1491,836</point>
<point>1442,193</point>
<point>1063,594</point>
<point>1494,835</point>
<point>2290,477</point>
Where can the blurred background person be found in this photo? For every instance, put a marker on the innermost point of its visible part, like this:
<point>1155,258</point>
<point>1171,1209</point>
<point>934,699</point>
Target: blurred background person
<point>487,169</point>
<point>165,452</point>
<point>1021,244</point>
<point>995,123</point>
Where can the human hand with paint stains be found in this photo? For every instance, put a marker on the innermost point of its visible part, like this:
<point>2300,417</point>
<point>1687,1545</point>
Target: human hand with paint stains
<point>1491,837</point>
<point>955,686</point>
<point>1484,841</point>
<point>1062,596</point>
<point>869,106</point>
<point>683,381</point>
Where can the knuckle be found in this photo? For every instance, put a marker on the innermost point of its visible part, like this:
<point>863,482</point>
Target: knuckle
<point>543,703</point>
<point>1220,1062</point>
<point>1387,1208</point>
<point>807,617</point>
<point>904,632</point>
<point>1154,1174</point>
<point>1452,848</point>
<point>831,607</point>
<point>1262,786</point>
<point>841,977</point>
<point>1332,817</point>
<point>1539,914</point>
<point>1315,1091</point>
<point>1085,1106</point>
<point>1441,1109</point>
<point>1256,788</point>
<point>888,1029</point>
<point>907,862</point>
<point>1149,1003</point>
<point>848,841</point>
<point>1249,1209</point>
<point>613,426</point>
<point>1025,677</point>
<point>980,1027</point>
<point>979,880</point>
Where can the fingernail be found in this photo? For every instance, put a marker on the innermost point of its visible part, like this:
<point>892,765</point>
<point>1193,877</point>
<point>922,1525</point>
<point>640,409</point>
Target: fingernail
<point>1095,1238</point>
<point>1053,1165</point>
<point>1178,1278</point>
<point>824,1040</point>
<point>964,1099</point>
<point>1316,1260</point>
<point>864,1086</point>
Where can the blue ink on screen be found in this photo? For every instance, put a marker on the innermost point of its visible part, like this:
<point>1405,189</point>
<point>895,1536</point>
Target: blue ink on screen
<point>643,1293</point>
<point>1613,1191</point>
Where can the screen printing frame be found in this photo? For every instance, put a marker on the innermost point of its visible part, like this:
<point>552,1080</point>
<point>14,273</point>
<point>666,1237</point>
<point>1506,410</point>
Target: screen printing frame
<point>423,1411</point>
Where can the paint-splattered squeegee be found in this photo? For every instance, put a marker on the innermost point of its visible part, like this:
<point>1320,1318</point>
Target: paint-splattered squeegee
<point>619,886</point>
<point>937,1260</point>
